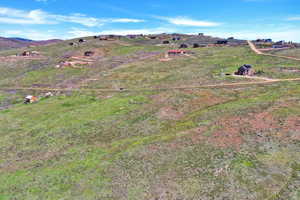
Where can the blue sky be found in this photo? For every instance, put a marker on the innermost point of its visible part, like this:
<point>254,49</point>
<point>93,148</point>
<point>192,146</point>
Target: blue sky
<point>245,19</point>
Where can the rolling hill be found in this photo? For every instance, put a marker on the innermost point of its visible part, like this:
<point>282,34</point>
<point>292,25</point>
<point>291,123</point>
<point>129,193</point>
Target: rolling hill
<point>8,43</point>
<point>133,123</point>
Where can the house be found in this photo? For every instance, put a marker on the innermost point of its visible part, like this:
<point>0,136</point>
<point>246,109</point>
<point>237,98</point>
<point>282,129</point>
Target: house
<point>183,46</point>
<point>245,70</point>
<point>30,53</point>
<point>281,44</point>
<point>72,44</point>
<point>222,42</point>
<point>268,40</point>
<point>89,53</point>
<point>30,99</point>
<point>81,40</point>
<point>26,53</point>
<point>176,38</point>
<point>264,40</point>
<point>103,38</point>
<point>196,45</point>
<point>176,52</point>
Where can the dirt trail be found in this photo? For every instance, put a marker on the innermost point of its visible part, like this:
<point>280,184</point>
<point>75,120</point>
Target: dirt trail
<point>253,47</point>
<point>256,77</point>
<point>214,86</point>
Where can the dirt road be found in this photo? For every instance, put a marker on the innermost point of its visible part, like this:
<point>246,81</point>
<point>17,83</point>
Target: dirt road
<point>263,82</point>
<point>253,47</point>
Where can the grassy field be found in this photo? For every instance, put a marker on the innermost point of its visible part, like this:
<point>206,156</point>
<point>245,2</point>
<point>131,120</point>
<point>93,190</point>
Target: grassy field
<point>289,52</point>
<point>219,143</point>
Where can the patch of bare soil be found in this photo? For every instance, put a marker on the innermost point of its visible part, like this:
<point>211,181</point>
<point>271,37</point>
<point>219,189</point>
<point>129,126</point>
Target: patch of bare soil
<point>25,162</point>
<point>228,135</point>
<point>169,113</point>
<point>261,121</point>
<point>161,97</point>
<point>292,128</point>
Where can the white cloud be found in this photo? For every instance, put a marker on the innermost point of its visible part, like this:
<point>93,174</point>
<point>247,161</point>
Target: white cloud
<point>30,34</point>
<point>185,21</point>
<point>14,16</point>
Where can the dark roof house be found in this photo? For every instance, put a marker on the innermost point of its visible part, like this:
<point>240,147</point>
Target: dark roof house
<point>245,70</point>
<point>89,53</point>
<point>222,42</point>
<point>81,40</point>
<point>183,46</point>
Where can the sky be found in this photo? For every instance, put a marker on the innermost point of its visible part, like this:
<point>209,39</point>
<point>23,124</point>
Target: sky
<point>65,19</point>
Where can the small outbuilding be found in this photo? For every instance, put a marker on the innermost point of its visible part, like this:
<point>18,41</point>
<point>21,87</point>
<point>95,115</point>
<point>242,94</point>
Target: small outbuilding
<point>245,70</point>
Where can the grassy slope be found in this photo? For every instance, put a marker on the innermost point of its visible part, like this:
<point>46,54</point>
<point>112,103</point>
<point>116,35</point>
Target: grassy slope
<point>194,144</point>
<point>289,52</point>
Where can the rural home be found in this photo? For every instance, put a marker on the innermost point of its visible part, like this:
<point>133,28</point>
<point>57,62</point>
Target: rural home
<point>222,42</point>
<point>89,53</point>
<point>245,70</point>
<point>176,52</point>
<point>183,46</point>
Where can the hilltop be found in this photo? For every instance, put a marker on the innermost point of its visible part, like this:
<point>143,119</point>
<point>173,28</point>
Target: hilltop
<point>136,117</point>
<point>8,43</point>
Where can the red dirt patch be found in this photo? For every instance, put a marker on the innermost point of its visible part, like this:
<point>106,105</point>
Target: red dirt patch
<point>228,135</point>
<point>292,126</point>
<point>262,121</point>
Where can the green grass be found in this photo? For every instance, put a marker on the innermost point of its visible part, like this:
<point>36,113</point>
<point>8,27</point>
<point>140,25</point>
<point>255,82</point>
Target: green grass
<point>79,145</point>
<point>289,52</point>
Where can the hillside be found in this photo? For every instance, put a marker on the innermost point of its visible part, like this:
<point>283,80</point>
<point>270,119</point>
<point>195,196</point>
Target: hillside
<point>8,43</point>
<point>135,124</point>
